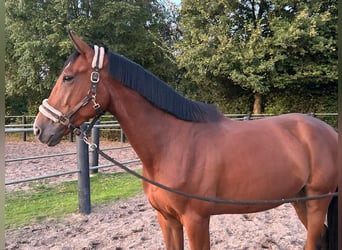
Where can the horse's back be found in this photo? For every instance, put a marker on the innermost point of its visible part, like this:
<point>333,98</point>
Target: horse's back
<point>318,137</point>
<point>321,141</point>
<point>270,158</point>
<point>298,135</point>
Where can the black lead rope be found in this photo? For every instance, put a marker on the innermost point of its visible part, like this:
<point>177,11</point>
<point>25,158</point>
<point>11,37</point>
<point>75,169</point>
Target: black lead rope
<point>207,199</point>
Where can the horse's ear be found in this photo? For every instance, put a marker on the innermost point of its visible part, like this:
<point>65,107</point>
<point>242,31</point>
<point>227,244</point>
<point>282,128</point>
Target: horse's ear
<point>81,46</point>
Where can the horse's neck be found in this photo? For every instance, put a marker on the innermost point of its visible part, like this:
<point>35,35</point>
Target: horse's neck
<point>146,127</point>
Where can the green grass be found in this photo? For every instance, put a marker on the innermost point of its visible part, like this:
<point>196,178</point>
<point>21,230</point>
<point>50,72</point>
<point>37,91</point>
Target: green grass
<point>25,207</point>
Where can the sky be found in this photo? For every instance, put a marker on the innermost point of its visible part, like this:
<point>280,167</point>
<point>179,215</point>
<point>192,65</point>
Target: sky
<point>176,1</point>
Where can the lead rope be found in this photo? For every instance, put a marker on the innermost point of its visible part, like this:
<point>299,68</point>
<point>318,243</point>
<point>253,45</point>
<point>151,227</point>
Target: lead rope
<point>93,147</point>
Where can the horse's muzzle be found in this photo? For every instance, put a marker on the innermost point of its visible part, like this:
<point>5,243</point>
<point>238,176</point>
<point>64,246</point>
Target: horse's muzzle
<point>48,132</point>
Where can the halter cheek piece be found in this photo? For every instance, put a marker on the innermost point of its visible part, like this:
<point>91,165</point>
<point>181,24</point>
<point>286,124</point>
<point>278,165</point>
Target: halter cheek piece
<point>56,116</point>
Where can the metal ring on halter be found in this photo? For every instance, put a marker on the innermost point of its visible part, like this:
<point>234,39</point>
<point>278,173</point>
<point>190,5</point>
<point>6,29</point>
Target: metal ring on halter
<point>95,77</point>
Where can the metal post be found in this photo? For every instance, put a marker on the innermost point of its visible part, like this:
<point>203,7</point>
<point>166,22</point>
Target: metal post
<point>23,121</point>
<point>123,137</point>
<point>248,117</point>
<point>83,175</point>
<point>71,136</point>
<point>94,156</point>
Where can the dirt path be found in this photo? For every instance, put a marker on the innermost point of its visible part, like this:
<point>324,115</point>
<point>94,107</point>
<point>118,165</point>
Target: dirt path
<point>133,224</point>
<point>58,164</point>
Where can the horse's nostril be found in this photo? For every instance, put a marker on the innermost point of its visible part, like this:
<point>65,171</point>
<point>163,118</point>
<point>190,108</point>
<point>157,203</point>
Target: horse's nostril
<point>36,130</point>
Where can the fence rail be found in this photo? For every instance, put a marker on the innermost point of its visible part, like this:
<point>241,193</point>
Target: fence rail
<point>25,128</point>
<point>95,166</point>
<point>39,157</point>
<point>41,177</point>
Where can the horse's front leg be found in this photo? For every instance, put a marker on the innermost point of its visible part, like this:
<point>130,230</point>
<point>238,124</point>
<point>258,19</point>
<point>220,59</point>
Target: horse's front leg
<point>172,231</point>
<point>197,229</point>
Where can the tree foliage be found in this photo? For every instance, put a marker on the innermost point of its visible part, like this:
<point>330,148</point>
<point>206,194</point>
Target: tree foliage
<point>242,55</point>
<point>38,45</point>
<point>259,45</point>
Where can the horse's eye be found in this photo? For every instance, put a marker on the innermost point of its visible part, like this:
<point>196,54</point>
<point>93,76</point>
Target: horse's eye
<point>67,78</point>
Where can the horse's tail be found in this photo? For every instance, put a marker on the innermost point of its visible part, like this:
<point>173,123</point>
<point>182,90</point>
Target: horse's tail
<point>333,223</point>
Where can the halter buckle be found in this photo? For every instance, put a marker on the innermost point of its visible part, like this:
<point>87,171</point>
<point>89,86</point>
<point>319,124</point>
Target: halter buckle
<point>95,77</point>
<point>64,120</point>
<point>96,106</point>
<point>77,131</point>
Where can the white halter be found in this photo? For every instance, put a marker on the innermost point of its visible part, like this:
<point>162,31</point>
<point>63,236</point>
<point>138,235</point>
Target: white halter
<point>56,116</point>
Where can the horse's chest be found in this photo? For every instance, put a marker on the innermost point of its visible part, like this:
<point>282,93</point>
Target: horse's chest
<point>160,201</point>
<point>153,196</point>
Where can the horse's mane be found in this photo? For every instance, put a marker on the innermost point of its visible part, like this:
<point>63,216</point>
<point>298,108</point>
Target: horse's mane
<point>135,77</point>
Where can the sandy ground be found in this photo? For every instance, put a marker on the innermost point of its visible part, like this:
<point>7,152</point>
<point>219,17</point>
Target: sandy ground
<point>132,224</point>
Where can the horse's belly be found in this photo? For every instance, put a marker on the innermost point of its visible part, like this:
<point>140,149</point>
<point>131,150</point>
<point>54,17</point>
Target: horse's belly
<point>241,209</point>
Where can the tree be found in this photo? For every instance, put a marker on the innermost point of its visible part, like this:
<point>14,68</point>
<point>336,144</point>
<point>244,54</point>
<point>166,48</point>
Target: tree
<point>38,45</point>
<point>34,47</point>
<point>259,45</point>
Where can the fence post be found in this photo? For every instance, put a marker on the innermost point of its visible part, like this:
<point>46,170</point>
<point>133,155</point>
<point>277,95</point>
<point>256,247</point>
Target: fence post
<point>248,117</point>
<point>23,121</point>
<point>83,175</point>
<point>123,137</point>
<point>94,156</point>
<point>71,136</point>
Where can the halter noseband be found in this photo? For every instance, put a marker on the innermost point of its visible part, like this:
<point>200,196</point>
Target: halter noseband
<point>56,116</point>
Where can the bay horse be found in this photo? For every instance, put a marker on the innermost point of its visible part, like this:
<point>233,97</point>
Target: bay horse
<point>190,146</point>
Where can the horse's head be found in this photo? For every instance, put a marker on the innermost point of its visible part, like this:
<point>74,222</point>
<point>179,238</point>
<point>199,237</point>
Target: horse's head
<point>78,95</point>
